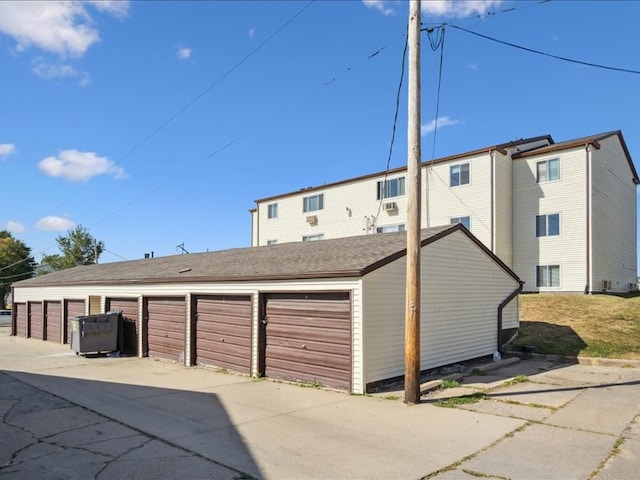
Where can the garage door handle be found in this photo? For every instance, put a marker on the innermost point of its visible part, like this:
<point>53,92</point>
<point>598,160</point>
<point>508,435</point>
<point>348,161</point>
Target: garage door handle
<point>304,346</point>
<point>222,339</point>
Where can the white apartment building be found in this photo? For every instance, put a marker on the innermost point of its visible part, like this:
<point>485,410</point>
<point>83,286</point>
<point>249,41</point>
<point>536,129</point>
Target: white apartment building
<point>561,215</point>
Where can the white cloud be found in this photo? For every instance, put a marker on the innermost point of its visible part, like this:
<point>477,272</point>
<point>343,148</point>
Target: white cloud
<point>458,8</point>
<point>381,5</point>
<point>56,26</point>
<point>252,32</point>
<point>75,166</point>
<point>472,66</point>
<point>6,149</point>
<point>56,224</point>
<point>183,53</point>
<point>427,128</point>
<point>14,227</point>
<point>51,70</point>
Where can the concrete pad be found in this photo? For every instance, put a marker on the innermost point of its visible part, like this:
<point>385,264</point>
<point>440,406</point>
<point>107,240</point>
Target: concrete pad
<point>52,421</point>
<point>458,475</point>
<point>449,393</point>
<point>591,375</point>
<point>536,393</point>
<point>504,409</point>
<point>605,410</point>
<point>543,452</point>
<point>92,434</point>
<point>624,463</point>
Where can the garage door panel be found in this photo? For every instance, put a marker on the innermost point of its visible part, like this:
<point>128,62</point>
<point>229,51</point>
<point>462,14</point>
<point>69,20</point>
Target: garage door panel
<point>74,308</point>
<point>53,319</point>
<point>205,340</point>
<point>308,338</point>
<point>166,327</point>
<point>342,337</point>
<point>223,332</point>
<point>35,320</point>
<point>129,309</point>
<point>21,319</point>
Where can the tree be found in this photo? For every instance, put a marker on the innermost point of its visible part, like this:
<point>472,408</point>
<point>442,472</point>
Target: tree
<point>16,263</point>
<point>78,248</point>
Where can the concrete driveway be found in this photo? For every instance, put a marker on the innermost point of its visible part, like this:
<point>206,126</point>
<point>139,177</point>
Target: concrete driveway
<point>67,416</point>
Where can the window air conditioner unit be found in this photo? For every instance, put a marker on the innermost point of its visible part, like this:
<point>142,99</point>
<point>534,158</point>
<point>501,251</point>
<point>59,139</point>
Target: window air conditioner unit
<point>606,285</point>
<point>312,219</point>
<point>390,206</point>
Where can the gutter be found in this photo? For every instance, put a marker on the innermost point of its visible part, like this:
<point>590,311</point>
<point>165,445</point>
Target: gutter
<point>504,303</point>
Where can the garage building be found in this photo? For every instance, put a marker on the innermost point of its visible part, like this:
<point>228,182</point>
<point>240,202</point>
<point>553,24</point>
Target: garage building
<point>330,311</point>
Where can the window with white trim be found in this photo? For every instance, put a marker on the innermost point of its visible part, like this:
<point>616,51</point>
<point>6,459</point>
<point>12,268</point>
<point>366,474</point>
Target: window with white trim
<point>548,276</point>
<point>398,227</point>
<point>548,170</point>
<point>459,175</point>
<point>313,203</point>
<point>548,225</point>
<point>393,187</point>
<point>313,238</point>
<point>272,210</point>
<point>466,221</point>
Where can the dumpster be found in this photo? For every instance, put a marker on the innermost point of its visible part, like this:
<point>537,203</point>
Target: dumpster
<point>95,333</point>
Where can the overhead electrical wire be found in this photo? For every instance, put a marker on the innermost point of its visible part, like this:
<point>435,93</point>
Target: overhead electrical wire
<point>174,116</point>
<point>393,129</point>
<point>538,52</point>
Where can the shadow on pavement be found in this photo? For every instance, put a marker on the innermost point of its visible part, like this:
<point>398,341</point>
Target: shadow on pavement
<point>52,425</point>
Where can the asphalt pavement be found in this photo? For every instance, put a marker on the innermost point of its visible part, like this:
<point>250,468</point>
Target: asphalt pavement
<point>98,417</point>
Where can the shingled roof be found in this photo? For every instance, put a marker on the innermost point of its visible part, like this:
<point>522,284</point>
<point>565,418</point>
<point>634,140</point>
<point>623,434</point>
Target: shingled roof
<point>340,257</point>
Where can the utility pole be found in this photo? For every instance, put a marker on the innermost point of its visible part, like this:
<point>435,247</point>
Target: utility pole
<point>412,307</point>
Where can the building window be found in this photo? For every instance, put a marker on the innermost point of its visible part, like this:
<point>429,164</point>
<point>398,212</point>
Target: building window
<point>548,225</point>
<point>391,188</point>
<point>272,210</point>
<point>459,175</point>
<point>272,242</point>
<point>313,203</point>
<point>466,221</point>
<point>399,227</point>
<point>313,238</point>
<point>548,171</point>
<point>548,276</point>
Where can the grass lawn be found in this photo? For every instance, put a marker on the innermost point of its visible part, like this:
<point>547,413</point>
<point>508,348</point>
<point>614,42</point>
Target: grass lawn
<point>604,326</point>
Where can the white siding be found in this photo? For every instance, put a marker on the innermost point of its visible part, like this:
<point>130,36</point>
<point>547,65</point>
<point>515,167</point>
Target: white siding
<point>503,211</point>
<point>459,319</point>
<point>613,218</point>
<point>348,209</point>
<point>474,200</point>
<point>567,197</point>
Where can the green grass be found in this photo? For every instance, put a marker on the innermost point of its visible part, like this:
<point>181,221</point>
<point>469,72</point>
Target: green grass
<point>464,400</point>
<point>604,326</point>
<point>448,383</point>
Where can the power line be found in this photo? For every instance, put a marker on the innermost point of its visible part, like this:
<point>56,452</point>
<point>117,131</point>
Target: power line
<point>557,57</point>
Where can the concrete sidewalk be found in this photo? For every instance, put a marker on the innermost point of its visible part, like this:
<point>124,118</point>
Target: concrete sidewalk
<point>68,416</point>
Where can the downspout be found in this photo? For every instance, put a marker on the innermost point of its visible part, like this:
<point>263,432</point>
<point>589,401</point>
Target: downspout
<point>504,303</point>
<point>588,286</point>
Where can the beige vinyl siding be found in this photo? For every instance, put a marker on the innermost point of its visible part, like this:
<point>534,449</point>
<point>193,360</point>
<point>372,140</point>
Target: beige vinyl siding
<point>614,217</point>
<point>567,197</point>
<point>24,294</point>
<point>503,210</point>
<point>348,209</point>
<point>459,318</point>
<point>474,200</point>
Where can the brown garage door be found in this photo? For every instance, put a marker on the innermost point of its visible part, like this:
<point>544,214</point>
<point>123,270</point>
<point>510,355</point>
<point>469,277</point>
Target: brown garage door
<point>308,338</point>
<point>34,312</point>
<point>21,319</point>
<point>165,327</point>
<point>52,321</point>
<point>223,332</point>
<point>129,308</point>
<point>73,308</point>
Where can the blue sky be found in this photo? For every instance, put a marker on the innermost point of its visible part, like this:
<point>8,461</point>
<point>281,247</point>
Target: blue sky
<point>155,124</point>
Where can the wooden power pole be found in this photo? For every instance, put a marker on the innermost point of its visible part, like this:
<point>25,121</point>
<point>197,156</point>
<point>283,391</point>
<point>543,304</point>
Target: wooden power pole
<point>412,308</point>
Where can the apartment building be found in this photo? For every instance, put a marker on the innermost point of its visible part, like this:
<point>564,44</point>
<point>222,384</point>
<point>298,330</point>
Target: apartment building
<point>561,215</point>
